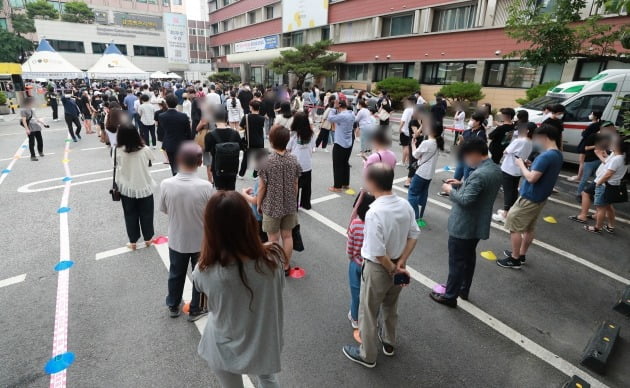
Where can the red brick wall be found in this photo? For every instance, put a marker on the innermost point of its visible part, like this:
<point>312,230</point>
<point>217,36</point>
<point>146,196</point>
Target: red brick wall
<point>355,9</point>
<point>254,31</point>
<point>238,8</point>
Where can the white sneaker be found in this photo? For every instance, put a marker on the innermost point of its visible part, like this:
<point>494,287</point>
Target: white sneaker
<point>355,324</point>
<point>314,149</point>
<point>153,147</point>
<point>573,178</point>
<point>326,150</point>
<point>242,178</point>
<point>498,217</point>
<point>399,164</point>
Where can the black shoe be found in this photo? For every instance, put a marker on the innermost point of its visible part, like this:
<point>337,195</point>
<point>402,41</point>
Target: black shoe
<point>508,253</point>
<point>388,349</point>
<point>509,262</point>
<point>463,296</point>
<point>34,158</point>
<point>443,194</point>
<point>354,354</point>
<point>442,300</point>
<point>195,315</point>
<point>78,136</point>
<point>74,139</point>
<point>287,272</point>
<point>174,311</point>
<point>41,155</point>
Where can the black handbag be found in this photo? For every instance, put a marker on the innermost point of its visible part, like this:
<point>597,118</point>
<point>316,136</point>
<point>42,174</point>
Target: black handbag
<point>114,190</point>
<point>298,244</point>
<point>616,194</point>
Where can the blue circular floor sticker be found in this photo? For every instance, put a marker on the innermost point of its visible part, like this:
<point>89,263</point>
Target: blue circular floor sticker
<point>59,362</point>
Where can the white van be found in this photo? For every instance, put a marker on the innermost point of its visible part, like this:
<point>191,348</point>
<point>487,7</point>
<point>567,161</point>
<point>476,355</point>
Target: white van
<point>604,92</point>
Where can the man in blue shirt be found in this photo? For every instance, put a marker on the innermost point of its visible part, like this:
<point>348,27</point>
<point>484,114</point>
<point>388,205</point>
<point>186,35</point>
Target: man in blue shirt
<point>71,115</point>
<point>129,103</point>
<point>179,93</point>
<point>537,186</point>
<point>344,130</point>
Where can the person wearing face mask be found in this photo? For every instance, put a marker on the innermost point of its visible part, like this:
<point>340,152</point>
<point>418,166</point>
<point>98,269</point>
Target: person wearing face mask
<point>595,118</point>
<point>537,186</point>
<point>555,120</point>
<point>469,220</point>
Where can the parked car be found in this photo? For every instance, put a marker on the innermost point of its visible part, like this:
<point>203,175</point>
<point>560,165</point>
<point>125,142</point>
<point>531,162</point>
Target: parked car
<point>351,95</point>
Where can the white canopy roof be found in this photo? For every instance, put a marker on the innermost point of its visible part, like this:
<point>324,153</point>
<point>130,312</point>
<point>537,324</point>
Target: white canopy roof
<point>174,75</point>
<point>114,65</point>
<point>159,75</point>
<point>49,64</point>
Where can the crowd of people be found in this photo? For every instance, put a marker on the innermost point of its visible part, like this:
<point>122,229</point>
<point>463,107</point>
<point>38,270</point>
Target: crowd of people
<point>225,129</point>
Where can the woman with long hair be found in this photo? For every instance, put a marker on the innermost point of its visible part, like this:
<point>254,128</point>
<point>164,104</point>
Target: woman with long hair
<point>326,127</point>
<point>234,109</point>
<point>284,117</point>
<point>301,145</point>
<point>243,282</point>
<point>427,156</point>
<point>135,183</point>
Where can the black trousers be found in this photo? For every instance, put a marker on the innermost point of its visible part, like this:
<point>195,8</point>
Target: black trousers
<point>322,138</point>
<point>35,135</point>
<point>177,278</point>
<point>145,131</point>
<point>138,216</point>
<point>304,190</point>
<point>462,257</point>
<point>55,109</point>
<point>227,183</point>
<point>341,166</point>
<point>510,190</point>
<point>248,153</point>
<point>73,120</point>
<point>172,161</point>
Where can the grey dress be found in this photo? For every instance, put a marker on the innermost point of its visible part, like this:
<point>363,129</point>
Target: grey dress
<point>242,337</point>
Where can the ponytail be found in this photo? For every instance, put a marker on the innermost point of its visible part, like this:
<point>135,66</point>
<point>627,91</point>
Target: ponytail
<point>439,139</point>
<point>233,102</point>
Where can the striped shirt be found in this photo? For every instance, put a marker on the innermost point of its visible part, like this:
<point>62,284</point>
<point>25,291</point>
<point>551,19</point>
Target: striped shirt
<point>355,241</point>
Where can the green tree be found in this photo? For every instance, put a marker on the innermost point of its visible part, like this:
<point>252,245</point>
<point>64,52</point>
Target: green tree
<point>77,12</point>
<point>536,92</point>
<point>309,59</point>
<point>3,98</point>
<point>224,77</point>
<point>22,24</point>
<point>13,46</point>
<point>616,6</point>
<point>398,88</point>
<point>554,36</point>
<point>462,91</point>
<point>41,9</point>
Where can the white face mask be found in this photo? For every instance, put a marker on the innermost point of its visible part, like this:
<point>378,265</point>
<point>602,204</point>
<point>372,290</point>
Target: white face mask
<point>560,116</point>
<point>591,117</point>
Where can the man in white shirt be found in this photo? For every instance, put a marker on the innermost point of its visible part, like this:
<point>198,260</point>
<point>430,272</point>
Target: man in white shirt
<point>405,139</point>
<point>213,97</point>
<point>390,237</point>
<point>183,199</point>
<point>146,112</point>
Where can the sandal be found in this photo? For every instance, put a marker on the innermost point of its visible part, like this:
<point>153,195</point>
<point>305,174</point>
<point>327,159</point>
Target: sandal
<point>590,217</point>
<point>334,190</point>
<point>576,219</point>
<point>609,229</point>
<point>592,229</point>
<point>148,243</point>
<point>131,246</point>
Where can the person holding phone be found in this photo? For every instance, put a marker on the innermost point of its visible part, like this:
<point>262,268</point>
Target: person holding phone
<point>390,236</point>
<point>33,126</point>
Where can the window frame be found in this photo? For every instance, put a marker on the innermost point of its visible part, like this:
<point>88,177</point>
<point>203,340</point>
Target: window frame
<point>436,16</point>
<point>142,51</point>
<point>267,9</point>
<point>436,66</point>
<point>121,47</point>
<point>389,21</point>
<point>56,42</point>
<point>502,83</point>
<point>568,113</point>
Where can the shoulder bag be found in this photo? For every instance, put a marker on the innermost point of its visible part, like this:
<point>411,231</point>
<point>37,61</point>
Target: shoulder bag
<point>616,193</point>
<point>114,190</point>
<point>200,137</point>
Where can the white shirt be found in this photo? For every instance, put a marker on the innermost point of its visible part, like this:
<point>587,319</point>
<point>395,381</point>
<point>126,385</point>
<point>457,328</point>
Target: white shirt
<point>522,147</point>
<point>187,107</point>
<point>458,120</point>
<point>155,101</point>
<point>406,118</point>
<point>615,163</point>
<point>132,172</point>
<point>147,113</point>
<point>364,119</point>
<point>213,98</point>
<point>427,156</point>
<point>303,152</point>
<point>388,224</point>
<point>421,101</point>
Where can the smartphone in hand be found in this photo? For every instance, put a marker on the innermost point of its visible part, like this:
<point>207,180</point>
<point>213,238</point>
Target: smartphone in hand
<point>401,278</point>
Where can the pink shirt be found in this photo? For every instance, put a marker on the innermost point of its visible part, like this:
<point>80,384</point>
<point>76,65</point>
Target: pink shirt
<point>387,157</point>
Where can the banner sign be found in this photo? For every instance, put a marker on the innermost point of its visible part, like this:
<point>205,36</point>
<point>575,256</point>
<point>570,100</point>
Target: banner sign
<point>176,31</point>
<point>266,43</point>
<point>302,14</point>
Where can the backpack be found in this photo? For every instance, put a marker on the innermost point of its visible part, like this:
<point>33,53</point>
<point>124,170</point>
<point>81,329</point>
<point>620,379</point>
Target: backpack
<point>225,156</point>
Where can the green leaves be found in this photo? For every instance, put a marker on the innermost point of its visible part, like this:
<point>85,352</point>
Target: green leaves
<point>398,88</point>
<point>77,12</point>
<point>462,91</point>
<point>41,9</point>
<point>12,46</point>
<point>224,77</point>
<point>306,59</point>
<point>22,24</point>
<point>536,92</point>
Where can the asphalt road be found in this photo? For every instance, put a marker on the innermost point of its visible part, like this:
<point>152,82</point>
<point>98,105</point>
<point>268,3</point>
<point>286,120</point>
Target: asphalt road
<point>521,328</point>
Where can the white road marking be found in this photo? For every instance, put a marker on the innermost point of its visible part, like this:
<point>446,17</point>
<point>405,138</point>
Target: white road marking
<point>324,199</point>
<point>103,147</point>
<point>12,280</point>
<point>18,154</point>
<point>527,344</point>
<point>116,252</point>
<point>13,157</point>
<point>22,132</point>
<point>569,204</point>
<point>26,188</point>
<point>162,250</point>
<point>544,245</point>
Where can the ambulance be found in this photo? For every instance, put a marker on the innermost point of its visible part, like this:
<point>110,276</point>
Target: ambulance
<point>608,91</point>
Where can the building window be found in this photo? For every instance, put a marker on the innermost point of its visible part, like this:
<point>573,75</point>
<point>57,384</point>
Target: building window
<point>552,72</point>
<point>99,48</point>
<point>226,49</point>
<point>215,51</point>
<point>226,2</point>
<point>212,5</point>
<point>178,2</point>
<point>16,3</point>
<point>458,18</point>
<point>444,73</point>
<point>166,3</point>
<point>353,72</point>
<point>225,25</point>
<point>326,33</point>
<point>194,47</point>
<point>3,24</point>
<point>251,17</point>
<point>397,25</point>
<point>269,12</point>
<point>148,51</point>
<point>215,28</point>
<point>510,74</point>
<point>69,46</point>
<point>400,70</point>
<point>141,1</point>
<point>589,69</point>
<point>293,39</point>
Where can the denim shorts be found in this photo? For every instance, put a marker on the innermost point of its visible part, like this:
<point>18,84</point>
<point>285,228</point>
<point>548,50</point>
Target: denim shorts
<point>600,198</point>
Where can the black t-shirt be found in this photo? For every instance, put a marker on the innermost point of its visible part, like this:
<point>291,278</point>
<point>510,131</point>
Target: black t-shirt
<point>589,155</point>
<point>555,123</point>
<point>226,135</point>
<point>497,136</point>
<point>256,130</point>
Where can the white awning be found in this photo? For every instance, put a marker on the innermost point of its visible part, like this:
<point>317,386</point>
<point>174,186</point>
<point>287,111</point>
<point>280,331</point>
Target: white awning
<point>265,56</point>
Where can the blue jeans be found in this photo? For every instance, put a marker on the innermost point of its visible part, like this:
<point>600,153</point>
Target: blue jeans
<point>177,277</point>
<point>588,170</point>
<point>354,278</point>
<point>418,194</point>
<point>462,257</point>
<point>462,171</point>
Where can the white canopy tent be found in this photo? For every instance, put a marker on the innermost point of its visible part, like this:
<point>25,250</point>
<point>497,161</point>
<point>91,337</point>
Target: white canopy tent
<point>159,75</point>
<point>46,63</point>
<point>114,65</point>
<point>174,75</point>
